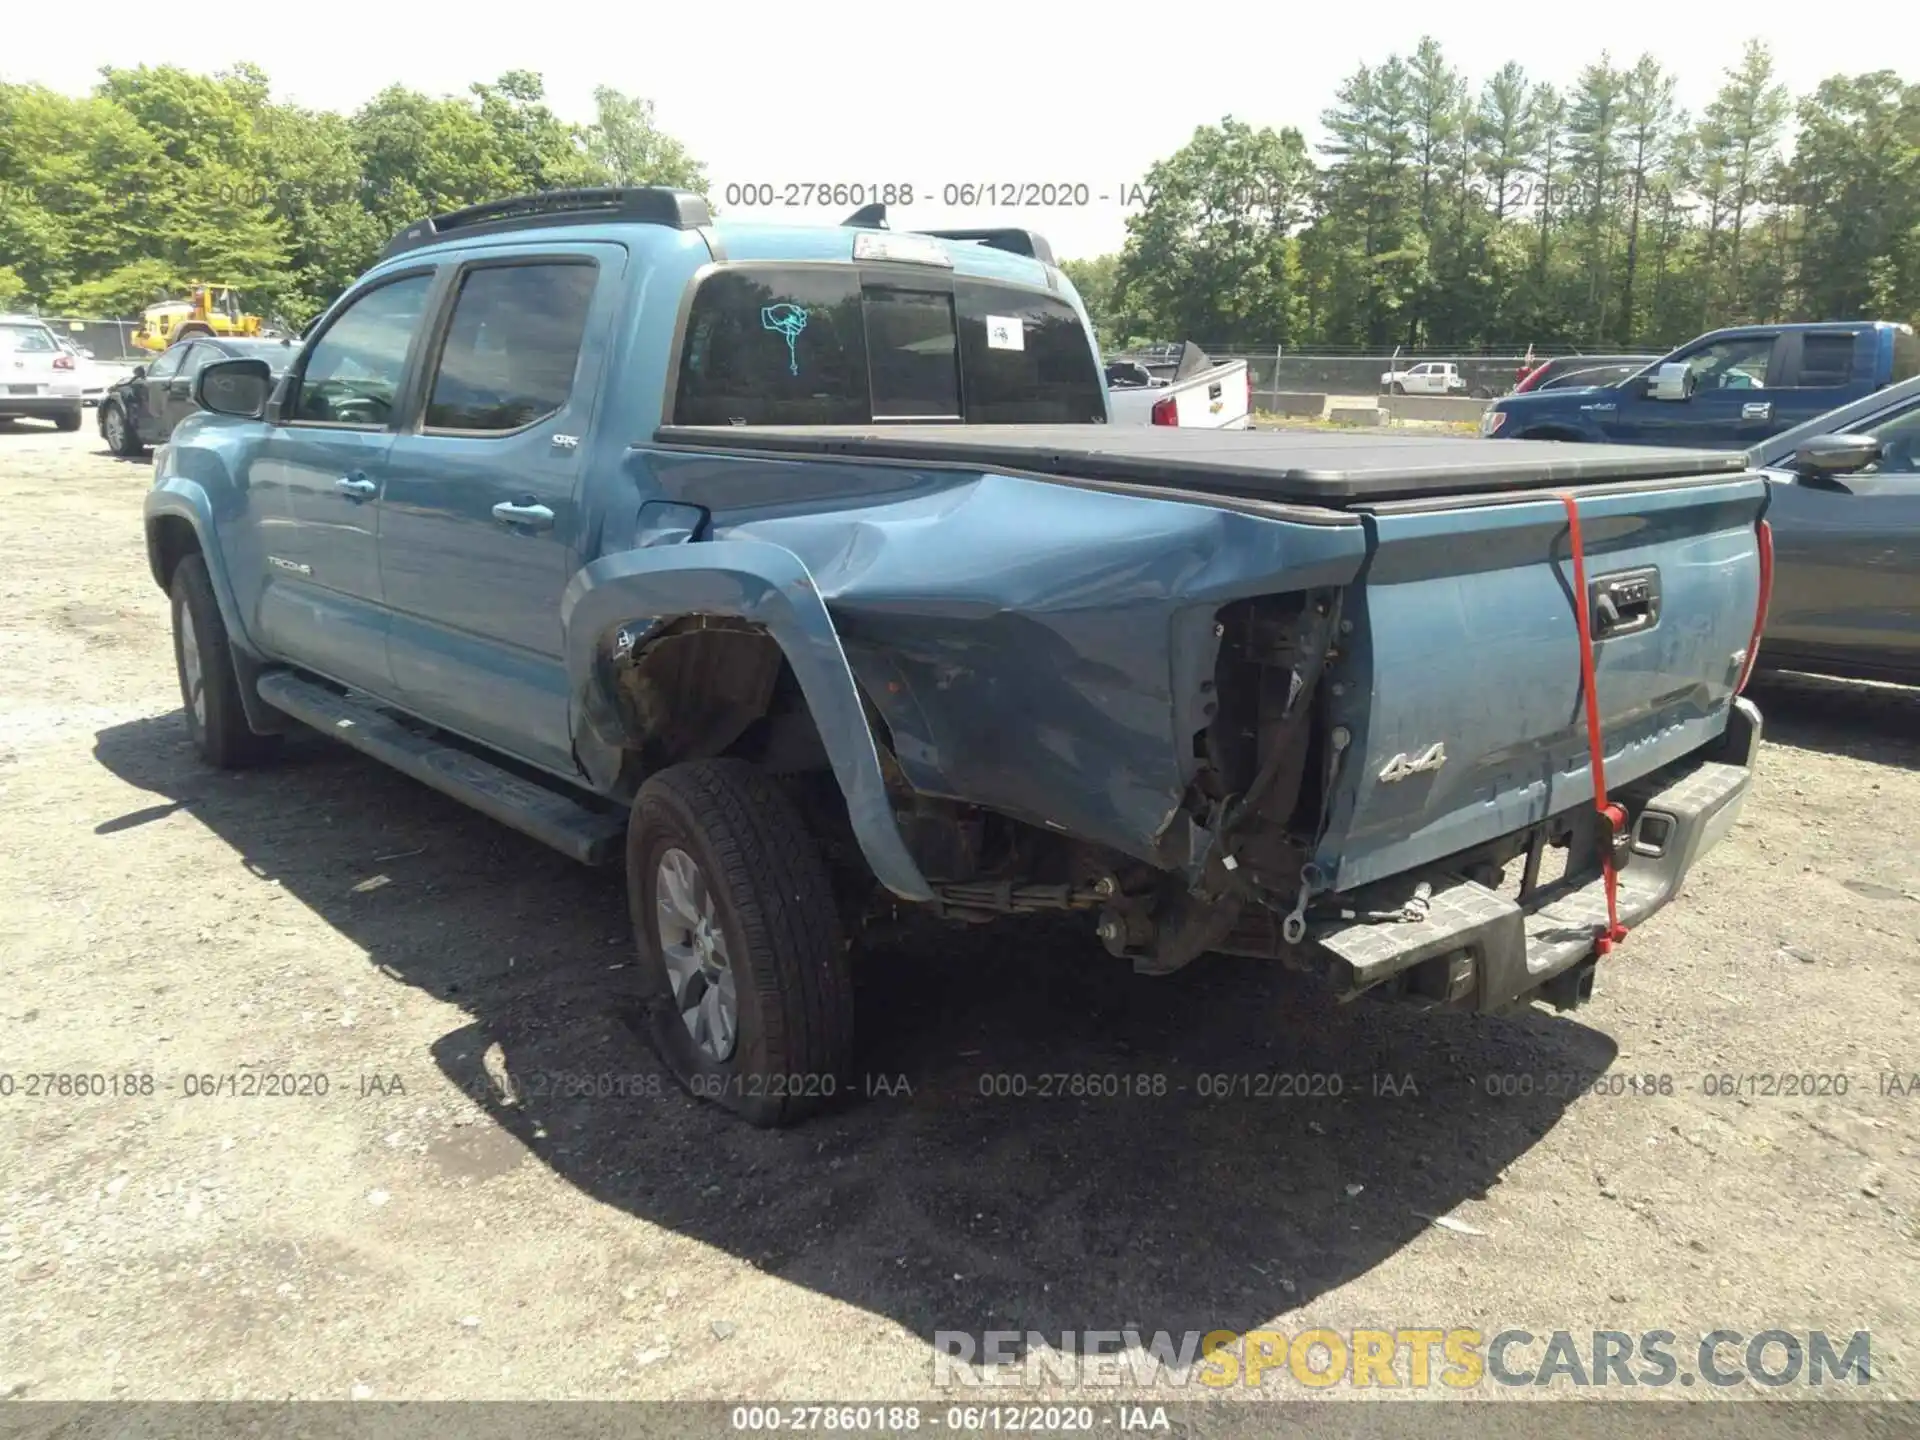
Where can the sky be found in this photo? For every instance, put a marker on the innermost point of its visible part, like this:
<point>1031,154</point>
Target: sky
<point>986,93</point>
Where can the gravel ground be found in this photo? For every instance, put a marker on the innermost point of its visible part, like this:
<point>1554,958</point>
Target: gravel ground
<point>415,1232</point>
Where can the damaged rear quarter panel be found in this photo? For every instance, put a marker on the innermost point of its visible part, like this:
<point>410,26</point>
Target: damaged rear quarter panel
<point>1039,648</point>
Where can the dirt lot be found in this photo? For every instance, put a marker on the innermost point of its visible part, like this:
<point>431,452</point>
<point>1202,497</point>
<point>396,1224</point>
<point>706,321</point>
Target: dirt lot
<point>410,1233</point>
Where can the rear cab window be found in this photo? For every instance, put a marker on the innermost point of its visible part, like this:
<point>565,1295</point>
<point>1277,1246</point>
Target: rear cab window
<point>24,339</point>
<point>844,344</point>
<point>1827,359</point>
<point>1906,353</point>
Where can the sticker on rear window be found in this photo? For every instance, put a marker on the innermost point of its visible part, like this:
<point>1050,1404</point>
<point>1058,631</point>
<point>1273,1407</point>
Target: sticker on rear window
<point>1004,332</point>
<point>788,320</point>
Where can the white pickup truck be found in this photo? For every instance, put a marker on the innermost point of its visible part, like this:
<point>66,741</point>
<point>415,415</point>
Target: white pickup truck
<point>1189,391</point>
<point>1430,377</point>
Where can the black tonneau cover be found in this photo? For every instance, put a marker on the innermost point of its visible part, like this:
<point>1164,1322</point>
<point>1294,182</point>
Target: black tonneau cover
<point>1311,467</point>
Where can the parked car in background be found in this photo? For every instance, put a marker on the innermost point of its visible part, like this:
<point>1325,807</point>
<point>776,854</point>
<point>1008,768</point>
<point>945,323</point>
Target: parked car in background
<point>1728,390</point>
<point>1430,377</point>
<point>94,378</point>
<point>39,379</point>
<point>142,409</point>
<point>1554,372</point>
<point>1846,534</point>
<point>1189,390</point>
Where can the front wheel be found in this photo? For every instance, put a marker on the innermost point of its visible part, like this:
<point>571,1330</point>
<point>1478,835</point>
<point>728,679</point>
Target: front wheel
<point>119,433</point>
<point>1398,389</point>
<point>209,682</point>
<point>741,954</point>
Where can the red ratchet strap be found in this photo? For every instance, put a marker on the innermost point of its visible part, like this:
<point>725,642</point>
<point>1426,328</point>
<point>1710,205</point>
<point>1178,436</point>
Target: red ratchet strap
<point>1613,819</point>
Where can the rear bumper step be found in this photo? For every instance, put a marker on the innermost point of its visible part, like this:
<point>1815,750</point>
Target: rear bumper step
<point>588,835</point>
<point>1488,951</point>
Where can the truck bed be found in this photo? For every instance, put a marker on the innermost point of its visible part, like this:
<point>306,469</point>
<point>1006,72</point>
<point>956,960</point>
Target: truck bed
<point>1296,466</point>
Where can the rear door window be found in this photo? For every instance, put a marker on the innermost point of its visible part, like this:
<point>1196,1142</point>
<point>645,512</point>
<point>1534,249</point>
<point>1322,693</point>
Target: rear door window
<point>1826,360</point>
<point>512,347</point>
<point>1906,354</point>
<point>836,346</point>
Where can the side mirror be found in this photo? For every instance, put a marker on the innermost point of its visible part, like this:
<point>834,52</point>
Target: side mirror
<point>139,373</point>
<point>1672,381</point>
<point>1825,455</point>
<point>234,387</point>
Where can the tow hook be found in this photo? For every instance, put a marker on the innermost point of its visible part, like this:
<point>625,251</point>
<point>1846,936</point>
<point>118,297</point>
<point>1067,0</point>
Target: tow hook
<point>1294,928</point>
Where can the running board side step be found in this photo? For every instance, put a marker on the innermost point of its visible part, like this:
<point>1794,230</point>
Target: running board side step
<point>591,836</point>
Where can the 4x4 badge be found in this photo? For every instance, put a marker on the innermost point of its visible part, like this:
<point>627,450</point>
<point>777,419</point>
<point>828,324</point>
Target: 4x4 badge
<point>1401,766</point>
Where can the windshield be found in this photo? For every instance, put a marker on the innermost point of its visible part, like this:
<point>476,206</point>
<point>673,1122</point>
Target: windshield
<point>842,345</point>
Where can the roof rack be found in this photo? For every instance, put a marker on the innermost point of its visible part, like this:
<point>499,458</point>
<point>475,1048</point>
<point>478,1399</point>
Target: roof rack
<point>646,205</point>
<point>1012,240</point>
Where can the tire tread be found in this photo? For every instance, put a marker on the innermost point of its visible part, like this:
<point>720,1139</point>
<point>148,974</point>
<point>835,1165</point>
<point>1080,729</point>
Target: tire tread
<point>781,895</point>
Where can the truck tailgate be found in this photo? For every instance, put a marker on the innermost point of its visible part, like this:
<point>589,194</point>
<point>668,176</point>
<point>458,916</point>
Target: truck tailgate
<point>1215,399</point>
<point>1459,682</point>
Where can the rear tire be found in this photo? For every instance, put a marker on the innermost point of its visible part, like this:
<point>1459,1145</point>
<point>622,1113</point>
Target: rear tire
<point>209,683</point>
<point>742,961</point>
<point>69,420</point>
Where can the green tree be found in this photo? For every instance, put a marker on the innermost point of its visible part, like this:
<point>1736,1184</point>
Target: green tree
<point>1741,133</point>
<point>627,147</point>
<point>1594,114</point>
<point>541,151</point>
<point>1856,182</point>
<point>1209,257</point>
<point>1648,117</point>
<point>1097,281</point>
<point>1367,212</point>
<point>1505,135</point>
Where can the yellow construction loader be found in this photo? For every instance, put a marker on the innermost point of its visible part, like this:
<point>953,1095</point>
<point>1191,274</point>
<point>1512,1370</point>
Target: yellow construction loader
<point>208,310</point>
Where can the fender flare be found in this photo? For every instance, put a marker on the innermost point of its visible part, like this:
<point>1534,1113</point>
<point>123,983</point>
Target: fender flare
<point>177,497</point>
<point>639,590</point>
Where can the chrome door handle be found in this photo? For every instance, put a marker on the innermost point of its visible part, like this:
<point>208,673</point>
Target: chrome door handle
<point>356,487</point>
<point>524,513</point>
<point>1757,410</point>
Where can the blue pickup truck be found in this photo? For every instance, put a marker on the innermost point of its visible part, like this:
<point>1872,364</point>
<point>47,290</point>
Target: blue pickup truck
<point>799,571</point>
<point>1729,389</point>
